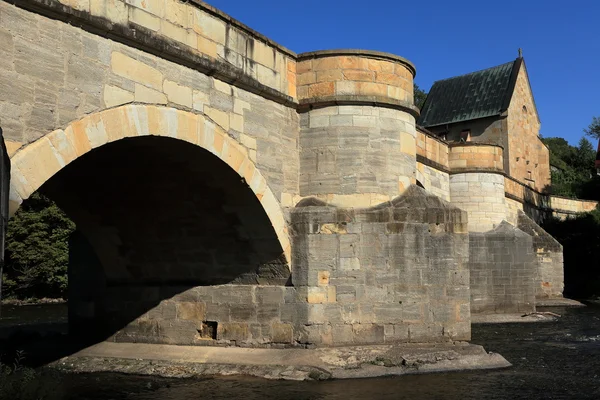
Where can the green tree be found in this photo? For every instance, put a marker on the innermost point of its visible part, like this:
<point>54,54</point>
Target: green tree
<point>419,96</point>
<point>37,250</point>
<point>593,130</point>
<point>573,172</point>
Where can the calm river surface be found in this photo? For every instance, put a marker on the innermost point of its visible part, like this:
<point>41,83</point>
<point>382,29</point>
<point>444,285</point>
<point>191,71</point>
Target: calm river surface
<point>551,360</point>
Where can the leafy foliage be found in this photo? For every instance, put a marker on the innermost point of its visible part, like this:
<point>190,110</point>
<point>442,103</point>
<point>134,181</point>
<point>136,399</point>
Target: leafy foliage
<point>419,96</point>
<point>573,173</point>
<point>593,130</point>
<point>37,250</point>
<point>580,237</point>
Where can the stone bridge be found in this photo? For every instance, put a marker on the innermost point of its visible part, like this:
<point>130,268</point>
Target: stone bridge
<point>229,191</point>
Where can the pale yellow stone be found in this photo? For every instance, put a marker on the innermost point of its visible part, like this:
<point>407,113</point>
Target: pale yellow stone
<point>115,96</point>
<point>95,131</point>
<point>207,46</point>
<point>323,278</point>
<point>331,294</point>
<point>144,94</point>
<point>178,94</point>
<point>209,26</point>
<point>37,163</point>
<point>222,87</point>
<point>136,71</point>
<point>268,77</point>
<point>173,31</point>
<point>187,127</point>
<point>209,135</point>
<point>252,155</point>
<point>249,171</point>
<point>236,122</point>
<point>407,144</point>
<point>234,157</point>
<point>18,183</point>
<point>76,135</point>
<point>178,13</point>
<point>264,54</point>
<point>258,184</point>
<point>316,295</point>
<point>142,18</point>
<point>248,141</point>
<point>221,118</point>
<point>156,7</point>
<point>12,147</point>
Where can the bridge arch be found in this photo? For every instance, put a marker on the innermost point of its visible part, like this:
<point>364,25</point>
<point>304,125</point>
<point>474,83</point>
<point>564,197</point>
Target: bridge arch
<point>35,163</point>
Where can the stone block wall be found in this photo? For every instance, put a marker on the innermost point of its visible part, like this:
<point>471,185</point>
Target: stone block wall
<point>356,155</point>
<point>503,271</point>
<point>563,207</point>
<point>481,194</point>
<point>550,278</point>
<point>432,148</point>
<point>396,272</point>
<point>226,315</point>
<point>529,160</point>
<point>433,180</point>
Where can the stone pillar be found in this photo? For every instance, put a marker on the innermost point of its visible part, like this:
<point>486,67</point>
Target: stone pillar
<point>357,138</point>
<point>477,183</point>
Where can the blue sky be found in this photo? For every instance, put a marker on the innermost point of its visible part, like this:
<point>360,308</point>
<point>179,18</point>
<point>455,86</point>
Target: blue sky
<point>443,38</point>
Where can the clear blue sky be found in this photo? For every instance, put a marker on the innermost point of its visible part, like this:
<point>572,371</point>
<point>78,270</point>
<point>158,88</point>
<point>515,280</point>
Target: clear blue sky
<point>444,38</point>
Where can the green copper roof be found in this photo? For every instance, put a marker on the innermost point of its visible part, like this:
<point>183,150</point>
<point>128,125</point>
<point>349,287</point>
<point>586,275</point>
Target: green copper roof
<point>476,95</point>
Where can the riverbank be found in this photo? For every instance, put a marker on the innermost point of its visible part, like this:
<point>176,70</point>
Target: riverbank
<point>290,364</point>
<point>32,301</point>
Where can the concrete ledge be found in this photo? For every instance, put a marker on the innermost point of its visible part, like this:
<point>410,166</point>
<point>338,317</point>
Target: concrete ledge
<point>510,318</point>
<point>558,302</point>
<point>291,364</point>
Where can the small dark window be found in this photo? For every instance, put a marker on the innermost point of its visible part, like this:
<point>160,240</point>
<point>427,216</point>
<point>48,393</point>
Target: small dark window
<point>525,109</point>
<point>208,330</point>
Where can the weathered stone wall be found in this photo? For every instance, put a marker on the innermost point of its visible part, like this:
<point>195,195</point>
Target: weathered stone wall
<point>550,279</point>
<point>392,273</point>
<point>481,194</point>
<point>503,271</point>
<point>356,155</point>
<point>529,160</point>
<point>54,73</point>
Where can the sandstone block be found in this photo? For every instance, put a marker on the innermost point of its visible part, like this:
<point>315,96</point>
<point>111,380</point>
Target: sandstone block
<point>282,333</point>
<point>135,70</point>
<point>115,96</point>
<point>178,94</point>
<point>194,311</point>
<point>144,94</point>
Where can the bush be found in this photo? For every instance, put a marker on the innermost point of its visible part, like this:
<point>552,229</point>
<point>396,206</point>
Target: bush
<point>37,250</point>
<point>19,382</point>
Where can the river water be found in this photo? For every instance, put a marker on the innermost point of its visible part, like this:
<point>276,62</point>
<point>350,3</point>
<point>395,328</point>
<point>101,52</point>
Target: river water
<point>551,360</point>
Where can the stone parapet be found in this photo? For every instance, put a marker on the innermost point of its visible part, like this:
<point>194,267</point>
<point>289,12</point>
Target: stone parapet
<point>432,151</point>
<point>355,77</point>
<point>473,156</point>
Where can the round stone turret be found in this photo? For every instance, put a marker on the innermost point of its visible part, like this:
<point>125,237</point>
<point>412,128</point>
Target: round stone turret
<point>357,140</point>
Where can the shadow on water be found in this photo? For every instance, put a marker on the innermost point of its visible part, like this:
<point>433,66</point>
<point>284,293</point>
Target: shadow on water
<point>551,360</point>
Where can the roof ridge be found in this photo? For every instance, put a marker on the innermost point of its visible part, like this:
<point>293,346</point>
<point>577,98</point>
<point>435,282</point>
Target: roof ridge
<point>474,72</point>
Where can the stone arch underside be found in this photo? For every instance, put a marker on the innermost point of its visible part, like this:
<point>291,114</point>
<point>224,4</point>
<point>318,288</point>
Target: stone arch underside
<point>134,130</point>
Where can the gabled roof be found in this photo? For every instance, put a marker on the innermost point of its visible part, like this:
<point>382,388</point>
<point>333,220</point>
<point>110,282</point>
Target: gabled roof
<point>479,94</point>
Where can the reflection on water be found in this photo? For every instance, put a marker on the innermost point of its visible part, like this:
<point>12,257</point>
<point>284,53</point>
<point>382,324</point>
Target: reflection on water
<point>552,360</point>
